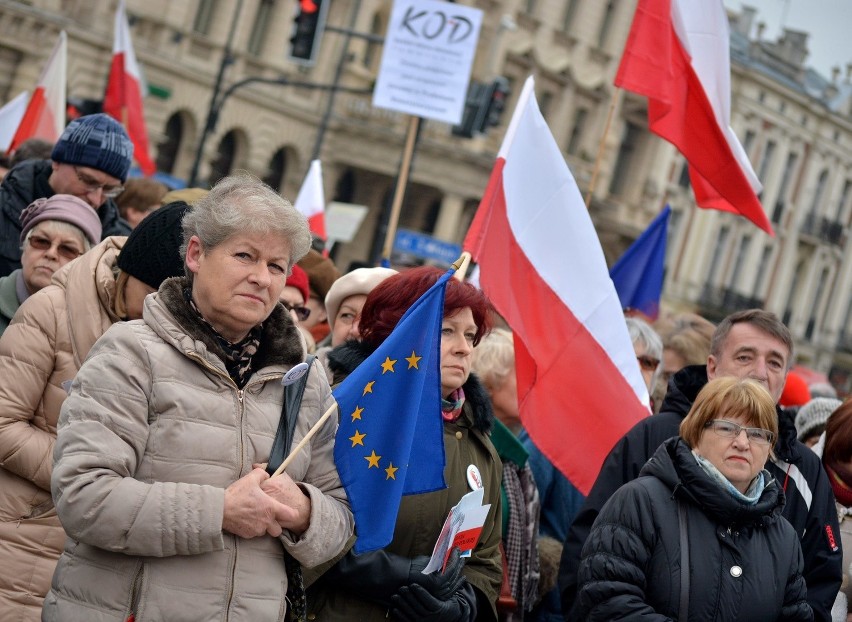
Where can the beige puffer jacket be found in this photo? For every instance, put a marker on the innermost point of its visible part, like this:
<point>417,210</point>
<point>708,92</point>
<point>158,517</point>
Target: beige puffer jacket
<point>153,432</point>
<point>42,348</point>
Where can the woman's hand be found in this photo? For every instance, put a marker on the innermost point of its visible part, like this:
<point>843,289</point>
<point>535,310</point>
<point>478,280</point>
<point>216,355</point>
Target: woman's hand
<point>283,489</point>
<point>250,512</point>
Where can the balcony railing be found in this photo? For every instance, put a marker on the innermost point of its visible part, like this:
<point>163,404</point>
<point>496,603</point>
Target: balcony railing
<point>718,302</point>
<point>830,231</point>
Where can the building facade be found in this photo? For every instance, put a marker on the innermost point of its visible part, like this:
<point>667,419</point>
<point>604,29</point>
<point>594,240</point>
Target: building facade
<point>795,125</point>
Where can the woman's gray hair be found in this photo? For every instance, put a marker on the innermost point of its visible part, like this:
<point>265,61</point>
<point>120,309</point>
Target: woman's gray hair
<point>241,203</point>
<point>641,333</point>
<point>494,358</point>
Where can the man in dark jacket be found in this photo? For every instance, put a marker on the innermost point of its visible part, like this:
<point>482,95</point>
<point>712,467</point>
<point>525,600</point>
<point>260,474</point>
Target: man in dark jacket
<point>747,344</point>
<point>90,161</point>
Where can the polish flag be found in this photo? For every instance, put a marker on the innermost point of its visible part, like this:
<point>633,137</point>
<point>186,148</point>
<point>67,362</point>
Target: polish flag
<point>541,264</point>
<point>677,55</point>
<point>45,114</point>
<point>123,98</point>
<point>310,201</point>
<point>10,118</point>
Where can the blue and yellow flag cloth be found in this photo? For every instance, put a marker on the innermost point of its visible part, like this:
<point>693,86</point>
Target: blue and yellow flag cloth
<point>390,441</point>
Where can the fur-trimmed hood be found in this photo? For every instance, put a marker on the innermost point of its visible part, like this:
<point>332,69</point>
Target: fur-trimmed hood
<point>343,360</point>
<point>280,342</point>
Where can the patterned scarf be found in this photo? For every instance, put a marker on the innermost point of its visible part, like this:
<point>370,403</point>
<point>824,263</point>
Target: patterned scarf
<point>237,355</point>
<point>751,496</point>
<point>522,560</point>
<point>451,408</point>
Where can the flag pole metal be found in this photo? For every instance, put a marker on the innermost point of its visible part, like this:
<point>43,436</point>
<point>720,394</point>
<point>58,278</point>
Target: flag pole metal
<point>601,146</point>
<point>399,191</point>
<point>305,440</point>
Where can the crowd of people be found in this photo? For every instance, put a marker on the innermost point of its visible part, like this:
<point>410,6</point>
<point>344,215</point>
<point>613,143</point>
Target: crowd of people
<point>147,340</point>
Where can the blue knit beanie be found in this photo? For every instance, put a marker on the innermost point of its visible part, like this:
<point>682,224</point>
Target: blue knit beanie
<point>97,141</point>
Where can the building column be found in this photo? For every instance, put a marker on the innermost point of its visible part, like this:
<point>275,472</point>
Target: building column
<point>447,225</point>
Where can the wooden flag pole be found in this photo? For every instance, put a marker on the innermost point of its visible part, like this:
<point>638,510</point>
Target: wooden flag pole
<point>601,146</point>
<point>401,183</point>
<point>461,265</point>
<point>304,440</point>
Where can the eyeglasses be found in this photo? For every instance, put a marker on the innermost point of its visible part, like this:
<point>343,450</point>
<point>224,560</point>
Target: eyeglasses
<point>92,185</point>
<point>648,363</point>
<point>729,429</point>
<point>40,243</point>
<point>303,313</point>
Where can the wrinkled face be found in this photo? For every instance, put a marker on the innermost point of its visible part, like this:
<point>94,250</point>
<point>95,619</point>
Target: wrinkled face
<point>134,297</point>
<point>86,183</point>
<point>457,333</point>
<point>47,248</point>
<point>346,323</point>
<point>748,352</point>
<point>738,459</point>
<point>237,284</point>
<point>672,363</point>
<point>647,364</point>
<point>504,399</point>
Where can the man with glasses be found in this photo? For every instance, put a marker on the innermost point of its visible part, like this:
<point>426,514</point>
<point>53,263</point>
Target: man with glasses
<point>89,161</point>
<point>747,344</point>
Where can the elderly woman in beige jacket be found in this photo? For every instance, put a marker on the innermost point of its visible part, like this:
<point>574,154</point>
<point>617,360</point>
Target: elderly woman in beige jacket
<point>156,475</point>
<point>40,353</point>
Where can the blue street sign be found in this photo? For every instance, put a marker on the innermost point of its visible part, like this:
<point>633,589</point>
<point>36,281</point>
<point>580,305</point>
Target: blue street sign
<point>425,246</point>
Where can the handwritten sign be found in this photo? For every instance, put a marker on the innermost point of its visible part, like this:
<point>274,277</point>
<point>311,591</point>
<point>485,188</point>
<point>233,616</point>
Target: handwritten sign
<point>427,58</point>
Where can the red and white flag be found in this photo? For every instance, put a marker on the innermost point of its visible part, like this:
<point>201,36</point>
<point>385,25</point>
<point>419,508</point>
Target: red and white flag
<point>541,264</point>
<point>45,114</point>
<point>677,55</point>
<point>310,201</point>
<point>123,98</point>
<point>10,118</point>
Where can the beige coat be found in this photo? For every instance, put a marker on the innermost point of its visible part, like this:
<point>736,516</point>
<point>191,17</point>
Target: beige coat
<point>153,432</point>
<point>42,348</point>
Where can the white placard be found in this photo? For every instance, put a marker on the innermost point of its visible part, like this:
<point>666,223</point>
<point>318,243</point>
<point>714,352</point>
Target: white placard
<point>342,220</point>
<point>427,58</point>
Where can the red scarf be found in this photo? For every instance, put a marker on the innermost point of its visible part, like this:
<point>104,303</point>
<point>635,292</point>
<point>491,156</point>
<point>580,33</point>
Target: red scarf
<point>842,490</point>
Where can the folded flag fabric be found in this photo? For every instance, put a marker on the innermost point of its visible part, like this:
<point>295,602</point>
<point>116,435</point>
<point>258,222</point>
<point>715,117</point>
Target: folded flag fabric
<point>390,441</point>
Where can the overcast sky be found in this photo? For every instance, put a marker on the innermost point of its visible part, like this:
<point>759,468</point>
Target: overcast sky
<point>829,23</point>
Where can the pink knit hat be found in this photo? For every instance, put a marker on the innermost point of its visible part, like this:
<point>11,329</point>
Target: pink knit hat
<point>65,208</point>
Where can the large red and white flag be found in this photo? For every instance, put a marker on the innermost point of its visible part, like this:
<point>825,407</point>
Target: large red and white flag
<point>45,114</point>
<point>677,55</point>
<point>541,264</point>
<point>10,118</point>
<point>310,201</point>
<point>123,98</point>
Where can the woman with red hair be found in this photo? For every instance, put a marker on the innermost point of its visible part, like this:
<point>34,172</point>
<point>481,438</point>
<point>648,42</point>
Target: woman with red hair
<point>389,582</point>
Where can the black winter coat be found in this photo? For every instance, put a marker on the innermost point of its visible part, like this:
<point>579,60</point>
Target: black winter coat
<point>745,561</point>
<point>809,506</point>
<point>24,184</point>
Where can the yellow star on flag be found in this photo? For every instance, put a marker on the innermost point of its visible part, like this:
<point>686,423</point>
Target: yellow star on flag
<point>356,414</point>
<point>373,460</point>
<point>368,388</point>
<point>357,439</point>
<point>413,360</point>
<point>391,471</point>
<point>388,365</point>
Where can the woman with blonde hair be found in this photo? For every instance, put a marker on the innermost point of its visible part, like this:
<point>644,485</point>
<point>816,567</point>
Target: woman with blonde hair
<point>40,354</point>
<point>699,535</point>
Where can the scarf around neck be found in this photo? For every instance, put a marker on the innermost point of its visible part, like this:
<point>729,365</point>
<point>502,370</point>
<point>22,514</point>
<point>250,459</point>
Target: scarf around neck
<point>452,406</point>
<point>238,355</point>
<point>751,496</point>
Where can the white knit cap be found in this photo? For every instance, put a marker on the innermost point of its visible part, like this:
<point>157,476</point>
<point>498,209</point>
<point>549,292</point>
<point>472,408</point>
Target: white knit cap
<point>359,281</point>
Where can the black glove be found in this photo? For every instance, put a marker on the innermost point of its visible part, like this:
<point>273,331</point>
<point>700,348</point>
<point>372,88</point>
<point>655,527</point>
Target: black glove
<point>415,604</point>
<point>439,585</point>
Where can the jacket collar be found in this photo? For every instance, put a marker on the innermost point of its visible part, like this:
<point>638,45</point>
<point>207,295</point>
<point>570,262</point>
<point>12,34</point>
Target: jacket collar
<point>280,341</point>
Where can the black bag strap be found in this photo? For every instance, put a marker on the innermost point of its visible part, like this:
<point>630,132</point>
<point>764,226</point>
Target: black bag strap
<point>289,414</point>
<point>683,611</point>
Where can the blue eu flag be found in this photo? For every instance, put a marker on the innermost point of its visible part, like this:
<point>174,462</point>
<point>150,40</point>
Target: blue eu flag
<point>638,274</point>
<point>391,441</point>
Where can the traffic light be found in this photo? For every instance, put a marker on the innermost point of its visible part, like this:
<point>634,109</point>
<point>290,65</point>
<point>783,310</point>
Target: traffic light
<point>308,25</point>
<point>497,101</point>
<point>483,108</point>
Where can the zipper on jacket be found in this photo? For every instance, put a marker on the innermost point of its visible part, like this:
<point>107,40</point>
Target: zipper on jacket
<point>134,592</point>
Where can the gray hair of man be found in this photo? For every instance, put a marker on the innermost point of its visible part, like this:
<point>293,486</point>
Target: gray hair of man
<point>642,334</point>
<point>239,204</point>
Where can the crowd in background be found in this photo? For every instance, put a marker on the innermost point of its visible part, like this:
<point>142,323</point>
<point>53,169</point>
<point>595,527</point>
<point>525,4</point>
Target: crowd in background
<point>144,334</point>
